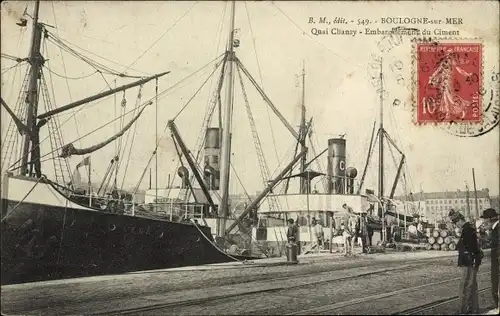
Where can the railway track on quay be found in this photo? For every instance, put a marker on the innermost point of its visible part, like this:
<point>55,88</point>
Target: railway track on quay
<point>369,300</point>
<point>249,292</point>
<point>420,310</point>
<point>287,283</point>
<point>345,287</point>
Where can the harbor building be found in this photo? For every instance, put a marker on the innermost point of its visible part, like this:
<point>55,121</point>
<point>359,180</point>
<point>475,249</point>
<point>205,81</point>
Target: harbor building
<point>434,206</point>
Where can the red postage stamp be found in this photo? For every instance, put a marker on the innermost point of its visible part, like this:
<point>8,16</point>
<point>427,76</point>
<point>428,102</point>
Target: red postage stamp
<point>449,80</point>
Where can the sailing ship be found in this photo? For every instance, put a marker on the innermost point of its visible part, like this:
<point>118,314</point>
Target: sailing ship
<point>50,230</point>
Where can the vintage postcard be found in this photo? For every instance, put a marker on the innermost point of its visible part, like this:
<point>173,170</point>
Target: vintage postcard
<point>250,157</point>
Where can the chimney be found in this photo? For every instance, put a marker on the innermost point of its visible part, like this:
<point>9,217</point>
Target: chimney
<point>336,172</point>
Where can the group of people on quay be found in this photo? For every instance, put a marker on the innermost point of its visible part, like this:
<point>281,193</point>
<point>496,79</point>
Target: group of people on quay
<point>354,227</point>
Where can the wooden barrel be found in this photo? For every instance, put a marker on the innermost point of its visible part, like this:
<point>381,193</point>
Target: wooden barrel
<point>431,240</point>
<point>440,240</point>
<point>452,246</point>
<point>436,246</point>
<point>435,233</point>
<point>444,247</point>
<point>447,240</point>
<point>428,246</point>
<point>443,233</point>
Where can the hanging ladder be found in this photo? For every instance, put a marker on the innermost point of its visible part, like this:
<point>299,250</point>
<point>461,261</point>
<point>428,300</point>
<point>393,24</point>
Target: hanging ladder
<point>62,169</point>
<point>264,169</point>
<point>11,141</point>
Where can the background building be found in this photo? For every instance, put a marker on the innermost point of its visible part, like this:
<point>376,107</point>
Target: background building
<point>434,206</point>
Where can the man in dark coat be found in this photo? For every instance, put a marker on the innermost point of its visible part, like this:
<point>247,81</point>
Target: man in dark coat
<point>491,217</point>
<point>363,232</point>
<point>469,260</point>
<point>293,231</point>
<point>292,234</point>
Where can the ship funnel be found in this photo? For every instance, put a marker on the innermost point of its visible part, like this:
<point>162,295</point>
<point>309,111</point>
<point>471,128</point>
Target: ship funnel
<point>212,155</point>
<point>184,175</point>
<point>336,173</point>
<point>351,174</point>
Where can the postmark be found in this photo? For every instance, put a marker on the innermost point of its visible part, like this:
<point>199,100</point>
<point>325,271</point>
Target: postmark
<point>450,88</point>
<point>396,84</point>
<point>490,95</point>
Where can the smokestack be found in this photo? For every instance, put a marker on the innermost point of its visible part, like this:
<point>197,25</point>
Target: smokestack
<point>212,158</point>
<point>336,165</point>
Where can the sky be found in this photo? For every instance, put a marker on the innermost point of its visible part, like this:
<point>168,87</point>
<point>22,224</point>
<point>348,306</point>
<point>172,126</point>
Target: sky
<point>145,38</point>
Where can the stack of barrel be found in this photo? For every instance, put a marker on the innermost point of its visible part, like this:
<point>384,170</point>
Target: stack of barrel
<point>442,239</point>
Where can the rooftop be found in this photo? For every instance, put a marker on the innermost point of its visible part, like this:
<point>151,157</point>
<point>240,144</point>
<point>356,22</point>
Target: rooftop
<point>420,196</point>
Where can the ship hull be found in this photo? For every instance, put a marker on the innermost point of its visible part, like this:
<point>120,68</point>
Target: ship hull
<point>44,242</point>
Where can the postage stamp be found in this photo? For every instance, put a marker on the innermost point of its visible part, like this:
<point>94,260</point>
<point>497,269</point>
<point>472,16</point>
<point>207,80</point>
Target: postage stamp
<point>448,78</point>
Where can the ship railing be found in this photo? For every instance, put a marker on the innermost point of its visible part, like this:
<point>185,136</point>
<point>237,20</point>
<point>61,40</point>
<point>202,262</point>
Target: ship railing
<point>184,212</point>
<point>102,198</point>
<point>168,210</point>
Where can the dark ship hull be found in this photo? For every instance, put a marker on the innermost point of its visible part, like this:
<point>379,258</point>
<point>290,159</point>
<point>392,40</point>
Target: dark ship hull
<point>53,241</point>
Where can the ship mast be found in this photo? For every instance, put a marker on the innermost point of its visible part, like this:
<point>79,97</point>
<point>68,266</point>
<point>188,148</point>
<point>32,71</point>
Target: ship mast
<point>226,130</point>
<point>30,148</point>
<point>381,153</point>
<point>303,161</point>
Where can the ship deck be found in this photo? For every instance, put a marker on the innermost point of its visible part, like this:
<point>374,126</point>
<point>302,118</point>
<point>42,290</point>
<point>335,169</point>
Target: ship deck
<point>424,282</point>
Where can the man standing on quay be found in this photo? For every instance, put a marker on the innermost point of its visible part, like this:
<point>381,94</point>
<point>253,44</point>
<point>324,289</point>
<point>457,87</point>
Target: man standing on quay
<point>363,231</point>
<point>491,216</point>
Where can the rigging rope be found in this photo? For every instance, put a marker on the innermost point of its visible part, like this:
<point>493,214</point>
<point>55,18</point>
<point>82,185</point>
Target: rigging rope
<point>24,198</point>
<point>407,173</point>
<point>161,94</point>
<point>211,101</point>
<point>56,119</point>
<point>215,246</point>
<point>185,106</point>
<point>14,58</point>
<point>168,30</point>
<point>70,78</point>
<point>4,70</point>
<point>122,121</point>
<point>89,133</point>
<point>65,43</point>
<point>94,64</point>
<point>209,115</point>
<point>56,139</point>
<point>307,33</point>
<point>171,88</point>
<point>248,197</point>
<point>262,82</point>
<point>11,140</point>
<point>197,91</point>
<point>139,96</point>
<point>73,111</point>
<point>144,172</point>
